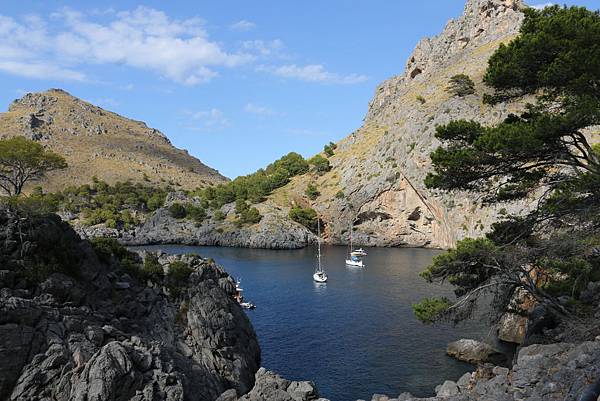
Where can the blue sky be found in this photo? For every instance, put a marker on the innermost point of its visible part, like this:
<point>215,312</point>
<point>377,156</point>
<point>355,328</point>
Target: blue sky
<point>237,83</point>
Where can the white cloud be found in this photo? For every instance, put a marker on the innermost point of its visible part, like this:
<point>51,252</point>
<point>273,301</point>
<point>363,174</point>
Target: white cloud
<point>259,110</point>
<point>208,120</point>
<point>264,47</point>
<point>242,26</point>
<point>313,73</point>
<point>143,38</point>
<point>542,6</point>
<point>40,70</point>
<point>148,39</point>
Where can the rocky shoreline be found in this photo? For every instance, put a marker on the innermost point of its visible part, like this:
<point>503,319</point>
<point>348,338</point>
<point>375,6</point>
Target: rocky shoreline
<point>102,332</point>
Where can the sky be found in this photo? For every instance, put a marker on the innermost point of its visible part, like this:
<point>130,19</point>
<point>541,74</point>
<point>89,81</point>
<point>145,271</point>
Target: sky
<point>237,83</point>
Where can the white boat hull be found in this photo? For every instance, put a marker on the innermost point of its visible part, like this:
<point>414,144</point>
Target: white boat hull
<point>355,263</point>
<point>320,277</point>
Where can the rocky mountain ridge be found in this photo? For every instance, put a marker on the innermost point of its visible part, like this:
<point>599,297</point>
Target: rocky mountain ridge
<point>100,143</point>
<point>380,168</point>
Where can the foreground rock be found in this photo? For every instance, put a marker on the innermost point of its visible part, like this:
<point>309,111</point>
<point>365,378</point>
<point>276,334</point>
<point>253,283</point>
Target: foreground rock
<point>475,352</point>
<point>555,372</point>
<point>271,387</point>
<point>76,324</point>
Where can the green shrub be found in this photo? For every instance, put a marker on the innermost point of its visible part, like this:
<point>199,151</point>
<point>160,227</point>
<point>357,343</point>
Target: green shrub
<point>430,309</point>
<point>246,214</point>
<point>151,266</point>
<point>329,149</point>
<point>461,85</point>
<point>110,251</point>
<point>312,192</point>
<point>421,99</point>
<point>195,213</point>
<point>177,277</point>
<point>307,217</point>
<point>320,164</point>
<point>219,215</point>
<point>177,211</point>
<point>340,195</point>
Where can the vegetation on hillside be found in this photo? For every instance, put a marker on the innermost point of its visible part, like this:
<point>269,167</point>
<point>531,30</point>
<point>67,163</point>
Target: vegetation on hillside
<point>256,186</point>
<point>114,205</point>
<point>319,164</point>
<point>305,216</point>
<point>552,252</point>
<point>329,149</point>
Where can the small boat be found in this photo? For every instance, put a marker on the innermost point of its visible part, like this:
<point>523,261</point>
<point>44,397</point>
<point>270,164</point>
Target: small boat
<point>247,305</point>
<point>355,259</point>
<point>359,252</point>
<point>319,276</point>
<point>239,296</point>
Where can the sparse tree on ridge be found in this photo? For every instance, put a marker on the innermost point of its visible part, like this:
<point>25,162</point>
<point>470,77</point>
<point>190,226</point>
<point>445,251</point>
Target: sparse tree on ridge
<point>23,161</point>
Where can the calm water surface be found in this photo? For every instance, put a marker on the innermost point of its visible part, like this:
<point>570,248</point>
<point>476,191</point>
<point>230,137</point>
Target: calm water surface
<point>354,336</point>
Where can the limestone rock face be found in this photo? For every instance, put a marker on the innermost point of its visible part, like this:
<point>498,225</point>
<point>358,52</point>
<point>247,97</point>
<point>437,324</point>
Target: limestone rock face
<point>91,331</point>
<point>473,351</point>
<point>376,182</point>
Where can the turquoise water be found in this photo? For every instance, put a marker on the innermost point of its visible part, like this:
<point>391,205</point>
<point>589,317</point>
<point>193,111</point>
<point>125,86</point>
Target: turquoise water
<point>354,336</point>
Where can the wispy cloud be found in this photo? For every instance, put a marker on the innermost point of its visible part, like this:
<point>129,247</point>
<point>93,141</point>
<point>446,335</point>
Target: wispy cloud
<point>313,73</point>
<point>264,48</point>
<point>243,26</point>
<point>258,110</point>
<point>542,5</point>
<point>207,120</point>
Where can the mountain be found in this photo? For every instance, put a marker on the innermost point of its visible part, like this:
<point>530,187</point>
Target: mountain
<point>96,142</point>
<point>376,181</point>
<point>375,184</point>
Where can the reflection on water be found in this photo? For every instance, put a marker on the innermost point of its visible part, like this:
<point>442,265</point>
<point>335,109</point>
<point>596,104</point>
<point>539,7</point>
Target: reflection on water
<point>354,336</point>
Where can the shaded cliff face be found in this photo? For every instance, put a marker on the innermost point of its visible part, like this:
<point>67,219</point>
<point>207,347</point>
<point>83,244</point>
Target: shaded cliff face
<point>87,330</point>
<point>380,168</point>
<point>96,142</point>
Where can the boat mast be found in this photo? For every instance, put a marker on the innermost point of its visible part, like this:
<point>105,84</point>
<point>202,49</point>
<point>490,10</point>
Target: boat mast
<point>351,249</point>
<point>319,242</point>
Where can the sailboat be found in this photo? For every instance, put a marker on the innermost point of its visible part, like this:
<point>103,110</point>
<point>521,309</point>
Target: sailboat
<point>355,256</point>
<point>319,276</point>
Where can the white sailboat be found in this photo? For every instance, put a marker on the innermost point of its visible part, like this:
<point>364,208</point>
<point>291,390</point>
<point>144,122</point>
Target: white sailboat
<point>319,276</point>
<point>355,256</point>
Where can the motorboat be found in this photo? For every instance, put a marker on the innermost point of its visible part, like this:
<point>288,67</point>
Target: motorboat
<point>355,257</point>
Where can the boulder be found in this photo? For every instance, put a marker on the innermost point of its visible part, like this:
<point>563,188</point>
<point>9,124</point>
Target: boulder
<point>473,351</point>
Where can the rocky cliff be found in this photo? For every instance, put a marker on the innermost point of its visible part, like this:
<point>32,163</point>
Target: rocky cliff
<point>376,181</point>
<point>96,142</point>
<point>78,323</point>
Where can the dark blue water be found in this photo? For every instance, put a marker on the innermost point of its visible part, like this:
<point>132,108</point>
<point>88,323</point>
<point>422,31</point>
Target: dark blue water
<point>354,336</point>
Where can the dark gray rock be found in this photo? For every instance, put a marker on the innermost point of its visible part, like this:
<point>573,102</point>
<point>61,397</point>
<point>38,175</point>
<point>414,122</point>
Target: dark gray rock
<point>271,387</point>
<point>90,332</point>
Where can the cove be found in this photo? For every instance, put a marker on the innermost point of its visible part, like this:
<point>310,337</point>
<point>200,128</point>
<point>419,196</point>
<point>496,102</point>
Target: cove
<point>354,336</point>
